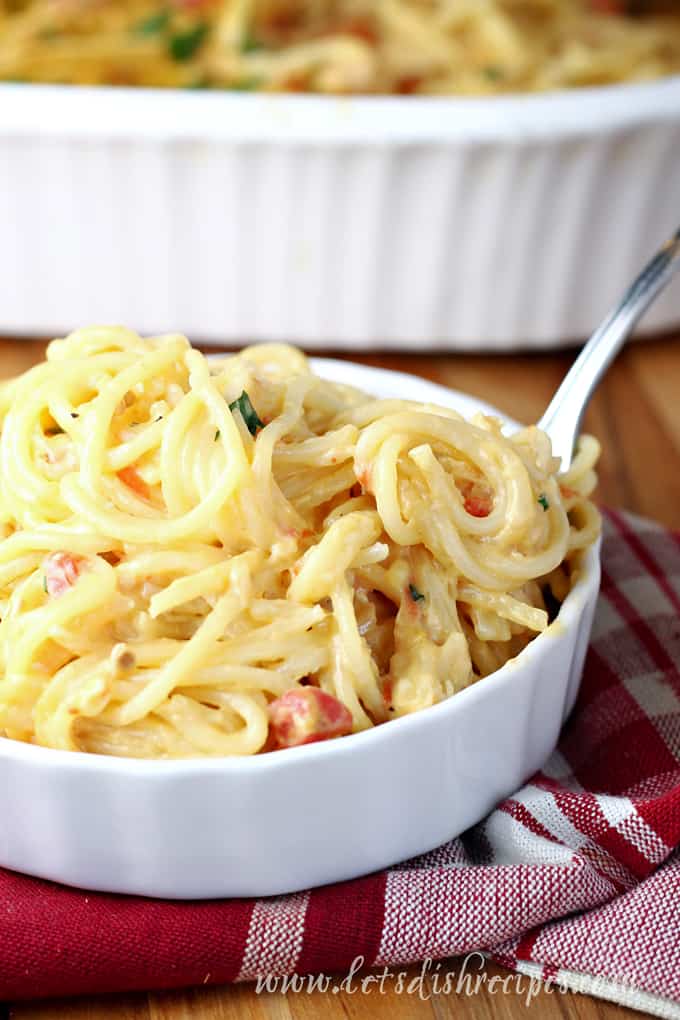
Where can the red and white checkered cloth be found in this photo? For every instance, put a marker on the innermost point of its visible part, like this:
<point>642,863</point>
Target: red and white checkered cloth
<point>576,877</point>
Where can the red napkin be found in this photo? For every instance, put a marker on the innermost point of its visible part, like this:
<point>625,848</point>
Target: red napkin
<point>576,877</point>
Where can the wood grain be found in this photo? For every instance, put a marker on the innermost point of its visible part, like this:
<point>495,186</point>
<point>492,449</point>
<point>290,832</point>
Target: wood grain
<point>636,416</point>
<point>501,996</point>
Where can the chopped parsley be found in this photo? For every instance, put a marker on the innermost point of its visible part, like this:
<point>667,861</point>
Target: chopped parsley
<point>217,435</point>
<point>543,500</point>
<point>248,413</point>
<point>416,595</point>
<point>493,73</point>
<point>249,43</point>
<point>244,85</point>
<point>185,45</point>
<point>153,25</point>
<point>45,588</point>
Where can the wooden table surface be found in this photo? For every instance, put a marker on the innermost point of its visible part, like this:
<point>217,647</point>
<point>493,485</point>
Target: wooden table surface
<point>636,416</point>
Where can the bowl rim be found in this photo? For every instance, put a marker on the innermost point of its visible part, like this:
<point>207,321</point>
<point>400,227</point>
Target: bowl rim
<point>565,625</point>
<point>151,114</point>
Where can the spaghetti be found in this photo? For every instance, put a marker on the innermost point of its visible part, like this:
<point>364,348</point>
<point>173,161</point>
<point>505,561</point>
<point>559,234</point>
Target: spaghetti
<point>341,46</point>
<point>224,557</point>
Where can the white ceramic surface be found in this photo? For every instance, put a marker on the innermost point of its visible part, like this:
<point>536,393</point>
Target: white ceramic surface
<point>310,815</point>
<point>383,222</point>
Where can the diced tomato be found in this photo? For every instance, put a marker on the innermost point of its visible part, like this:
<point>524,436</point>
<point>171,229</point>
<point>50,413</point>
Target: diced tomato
<point>360,28</point>
<point>306,715</point>
<point>62,570</point>
<point>282,21</point>
<point>130,477</point>
<point>477,507</point>
<point>567,492</point>
<point>477,499</point>
<point>296,83</point>
<point>294,533</point>
<point>408,85</point>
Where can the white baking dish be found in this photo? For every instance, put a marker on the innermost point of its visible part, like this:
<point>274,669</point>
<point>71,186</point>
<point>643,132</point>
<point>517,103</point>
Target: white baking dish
<point>359,222</point>
<point>310,815</point>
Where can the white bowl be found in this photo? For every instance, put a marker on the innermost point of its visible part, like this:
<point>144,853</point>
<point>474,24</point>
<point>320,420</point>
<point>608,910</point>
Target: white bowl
<point>309,815</point>
<point>390,222</point>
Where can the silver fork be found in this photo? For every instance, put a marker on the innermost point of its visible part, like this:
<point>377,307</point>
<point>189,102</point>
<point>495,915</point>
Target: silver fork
<point>563,416</point>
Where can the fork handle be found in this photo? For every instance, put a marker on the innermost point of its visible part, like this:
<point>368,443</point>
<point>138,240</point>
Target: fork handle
<point>563,416</point>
